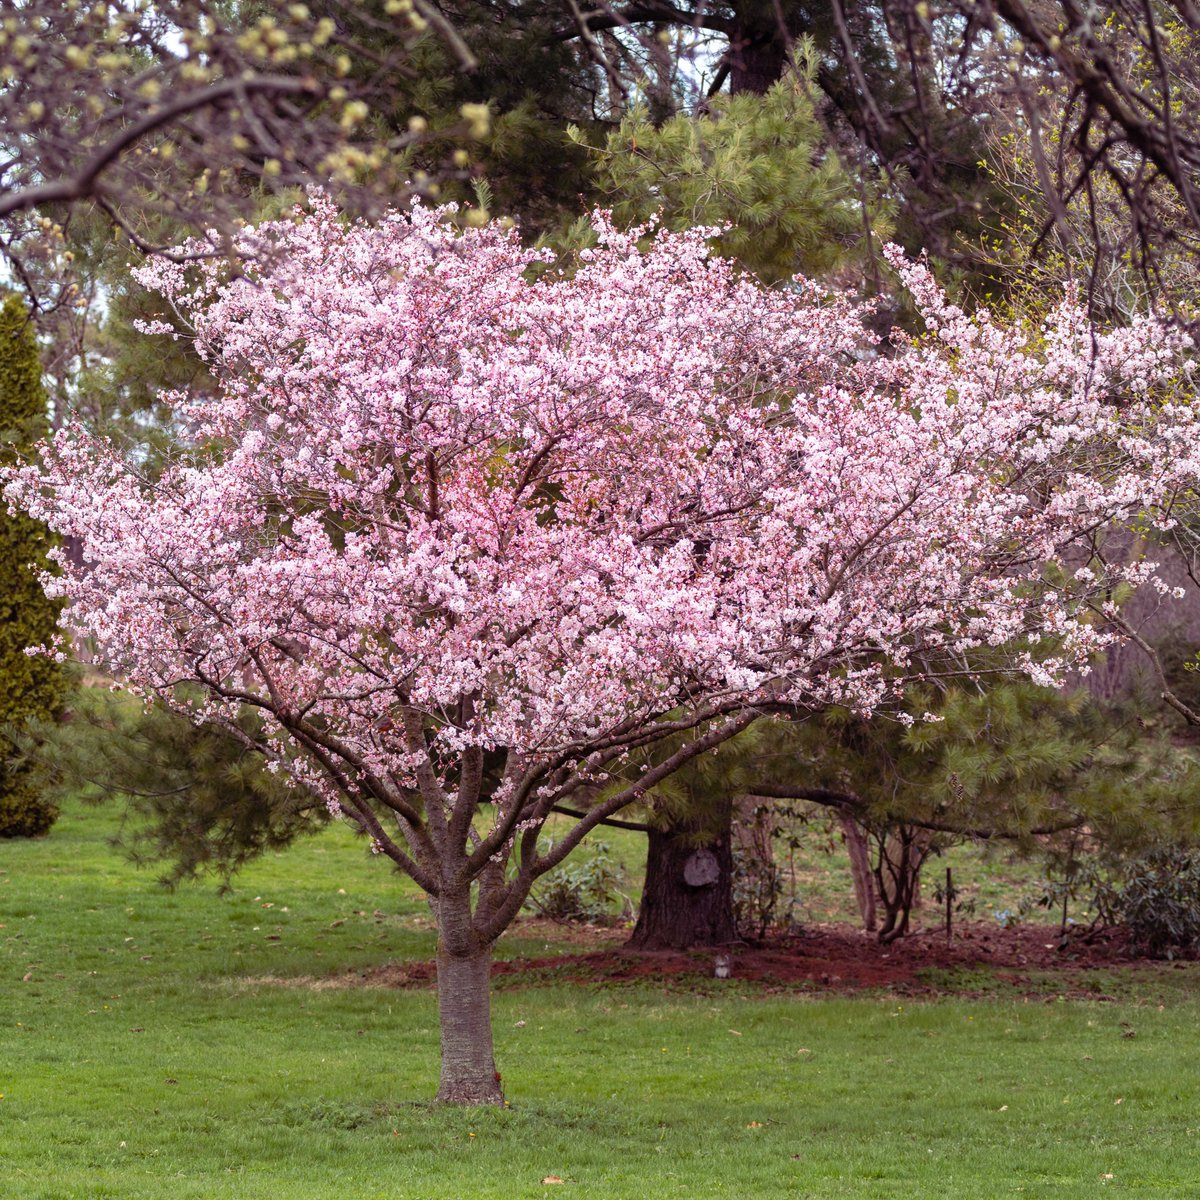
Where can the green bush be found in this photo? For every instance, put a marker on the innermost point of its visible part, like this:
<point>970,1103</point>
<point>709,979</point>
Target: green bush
<point>586,891</point>
<point>31,688</point>
<point>24,809</point>
<point>1154,894</point>
<point>1159,901</point>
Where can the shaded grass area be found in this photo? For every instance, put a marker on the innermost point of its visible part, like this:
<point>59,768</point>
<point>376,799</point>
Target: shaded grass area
<point>141,1059</point>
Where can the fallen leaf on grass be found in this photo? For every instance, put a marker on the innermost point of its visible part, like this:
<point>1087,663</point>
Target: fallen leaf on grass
<point>1119,1100</point>
<point>755,1125</point>
<point>553,1179</point>
<point>27,977</point>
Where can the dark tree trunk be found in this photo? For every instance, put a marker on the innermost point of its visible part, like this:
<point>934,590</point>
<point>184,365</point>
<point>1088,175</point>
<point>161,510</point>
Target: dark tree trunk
<point>902,853</point>
<point>860,870</point>
<point>469,1074</point>
<point>676,914</point>
<point>760,44</point>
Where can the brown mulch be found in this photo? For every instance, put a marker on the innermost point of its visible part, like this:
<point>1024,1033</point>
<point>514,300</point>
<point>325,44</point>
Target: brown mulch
<point>823,958</point>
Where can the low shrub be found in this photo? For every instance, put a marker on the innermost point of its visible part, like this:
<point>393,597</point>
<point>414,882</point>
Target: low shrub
<point>586,891</point>
<point>25,810</point>
<point>1159,901</point>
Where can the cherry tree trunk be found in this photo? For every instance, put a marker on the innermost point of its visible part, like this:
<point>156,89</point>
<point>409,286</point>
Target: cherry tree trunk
<point>676,914</point>
<point>469,1074</point>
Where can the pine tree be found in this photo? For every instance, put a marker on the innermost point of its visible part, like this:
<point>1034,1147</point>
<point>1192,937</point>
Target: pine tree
<point>1004,762</point>
<point>759,167</point>
<point>31,687</point>
<point>203,799</point>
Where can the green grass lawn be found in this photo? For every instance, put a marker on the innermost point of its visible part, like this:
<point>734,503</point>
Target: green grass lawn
<point>150,1049</point>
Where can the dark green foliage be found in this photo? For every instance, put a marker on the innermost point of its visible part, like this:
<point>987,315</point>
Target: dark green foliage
<point>25,810</point>
<point>700,793</point>
<point>1159,901</point>
<point>759,165</point>
<point>533,82</point>
<point>199,797</point>
<point>1004,761</point>
<point>1049,772</point>
<point>1155,895</point>
<point>587,890</point>
<point>31,688</point>
<point>113,382</point>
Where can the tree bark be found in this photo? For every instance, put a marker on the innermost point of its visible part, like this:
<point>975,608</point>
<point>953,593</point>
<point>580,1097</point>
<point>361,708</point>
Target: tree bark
<point>860,870</point>
<point>469,1074</point>
<point>674,915</point>
<point>760,44</point>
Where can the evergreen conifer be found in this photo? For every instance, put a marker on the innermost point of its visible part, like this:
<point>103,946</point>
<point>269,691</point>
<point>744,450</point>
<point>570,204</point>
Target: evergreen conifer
<point>31,687</point>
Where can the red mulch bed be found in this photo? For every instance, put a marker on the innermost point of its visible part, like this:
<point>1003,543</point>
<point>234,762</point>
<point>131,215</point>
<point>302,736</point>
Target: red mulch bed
<point>835,958</point>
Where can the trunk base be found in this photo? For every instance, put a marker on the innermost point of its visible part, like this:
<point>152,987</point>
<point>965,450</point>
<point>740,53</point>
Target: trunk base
<point>465,1094</point>
<point>469,1074</point>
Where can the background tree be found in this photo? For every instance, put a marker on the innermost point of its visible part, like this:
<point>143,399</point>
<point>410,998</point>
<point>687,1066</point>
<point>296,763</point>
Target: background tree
<point>201,798</point>
<point>30,687</point>
<point>173,113</point>
<point>1008,762</point>
<point>911,88</point>
<point>687,894</point>
<point>757,166</point>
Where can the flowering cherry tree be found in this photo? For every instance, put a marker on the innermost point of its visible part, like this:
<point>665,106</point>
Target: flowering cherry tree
<point>468,535</point>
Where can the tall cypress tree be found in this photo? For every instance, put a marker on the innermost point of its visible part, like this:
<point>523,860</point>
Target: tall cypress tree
<point>31,688</point>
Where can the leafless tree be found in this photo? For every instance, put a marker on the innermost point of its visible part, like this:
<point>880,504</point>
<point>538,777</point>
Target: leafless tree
<point>1106,94</point>
<point>166,117</point>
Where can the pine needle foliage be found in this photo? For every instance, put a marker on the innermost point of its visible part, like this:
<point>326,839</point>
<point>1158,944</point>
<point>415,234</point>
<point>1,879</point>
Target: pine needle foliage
<point>1004,760</point>
<point>759,166</point>
<point>31,687</point>
<point>698,797</point>
<point>198,798</point>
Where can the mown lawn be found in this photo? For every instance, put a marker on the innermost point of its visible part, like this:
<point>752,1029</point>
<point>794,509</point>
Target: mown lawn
<point>149,1048</point>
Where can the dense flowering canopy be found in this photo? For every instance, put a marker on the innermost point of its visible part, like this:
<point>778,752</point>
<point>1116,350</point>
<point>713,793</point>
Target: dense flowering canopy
<point>443,509</point>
